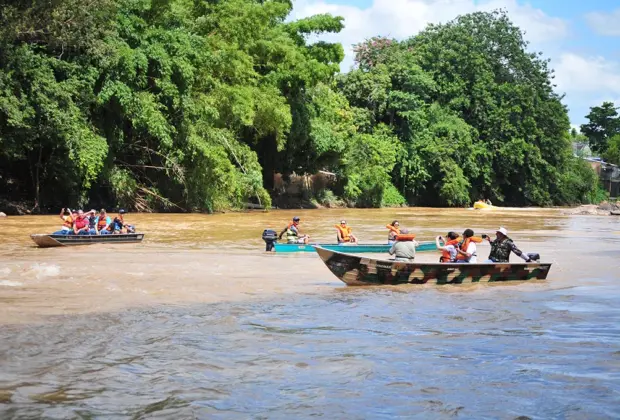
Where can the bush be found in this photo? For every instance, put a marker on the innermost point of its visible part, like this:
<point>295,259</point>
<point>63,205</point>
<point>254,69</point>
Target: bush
<point>392,198</point>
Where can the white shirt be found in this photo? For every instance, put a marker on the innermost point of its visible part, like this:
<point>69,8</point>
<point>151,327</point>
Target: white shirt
<point>452,250</point>
<point>471,249</point>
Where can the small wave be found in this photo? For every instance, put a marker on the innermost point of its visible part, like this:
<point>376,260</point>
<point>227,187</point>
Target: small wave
<point>10,283</point>
<point>43,270</point>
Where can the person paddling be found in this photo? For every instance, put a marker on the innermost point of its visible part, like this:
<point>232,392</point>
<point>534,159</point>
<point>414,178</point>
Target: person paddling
<point>344,234</point>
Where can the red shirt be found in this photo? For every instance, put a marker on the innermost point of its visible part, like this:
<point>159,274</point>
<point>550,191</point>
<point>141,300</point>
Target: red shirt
<point>81,222</point>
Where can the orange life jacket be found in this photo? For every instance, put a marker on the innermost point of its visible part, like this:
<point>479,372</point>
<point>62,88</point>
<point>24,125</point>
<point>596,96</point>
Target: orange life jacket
<point>463,246</point>
<point>68,222</point>
<point>445,255</point>
<point>345,232</point>
<point>408,237</point>
<point>393,232</point>
<point>102,223</point>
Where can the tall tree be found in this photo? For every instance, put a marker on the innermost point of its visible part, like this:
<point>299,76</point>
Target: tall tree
<point>603,124</point>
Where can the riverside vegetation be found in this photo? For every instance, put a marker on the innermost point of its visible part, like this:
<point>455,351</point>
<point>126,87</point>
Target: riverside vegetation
<point>193,105</point>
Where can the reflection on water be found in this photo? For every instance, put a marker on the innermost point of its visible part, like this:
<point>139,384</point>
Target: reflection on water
<point>198,322</point>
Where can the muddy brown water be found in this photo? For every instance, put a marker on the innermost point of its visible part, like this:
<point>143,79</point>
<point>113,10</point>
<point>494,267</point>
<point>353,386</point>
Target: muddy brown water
<point>198,322</point>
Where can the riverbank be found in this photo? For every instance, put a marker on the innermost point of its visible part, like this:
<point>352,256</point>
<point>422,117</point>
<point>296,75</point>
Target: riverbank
<point>603,209</point>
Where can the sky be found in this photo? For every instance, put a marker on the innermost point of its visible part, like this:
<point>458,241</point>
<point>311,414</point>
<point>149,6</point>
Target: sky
<point>581,38</point>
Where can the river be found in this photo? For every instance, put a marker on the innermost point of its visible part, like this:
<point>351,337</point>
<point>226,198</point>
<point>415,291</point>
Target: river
<point>199,322</point>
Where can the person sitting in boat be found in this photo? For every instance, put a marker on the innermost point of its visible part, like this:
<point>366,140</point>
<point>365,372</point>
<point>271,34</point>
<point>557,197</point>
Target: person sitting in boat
<point>344,235</point>
<point>91,216</point>
<point>118,225</point>
<point>502,247</point>
<point>448,247</point>
<point>293,236</point>
<point>394,228</point>
<point>102,223</point>
<point>466,251</point>
<point>67,222</point>
<point>404,247</point>
<point>80,227</point>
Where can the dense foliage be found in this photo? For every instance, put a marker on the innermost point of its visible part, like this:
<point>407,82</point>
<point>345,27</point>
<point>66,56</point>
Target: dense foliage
<point>603,131</point>
<point>194,105</point>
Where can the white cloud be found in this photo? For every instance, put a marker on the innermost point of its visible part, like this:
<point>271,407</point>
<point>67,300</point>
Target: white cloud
<point>605,23</point>
<point>587,81</point>
<point>404,18</point>
<point>578,74</point>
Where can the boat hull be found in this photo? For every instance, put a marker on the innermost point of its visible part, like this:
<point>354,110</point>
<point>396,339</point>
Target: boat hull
<point>359,271</point>
<point>49,241</point>
<point>353,249</point>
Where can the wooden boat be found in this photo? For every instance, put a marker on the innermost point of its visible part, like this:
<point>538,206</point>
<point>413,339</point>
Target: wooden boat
<point>48,241</point>
<point>353,249</point>
<point>479,205</point>
<point>357,270</point>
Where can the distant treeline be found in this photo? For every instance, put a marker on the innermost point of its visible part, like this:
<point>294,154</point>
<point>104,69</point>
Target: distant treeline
<point>194,105</point>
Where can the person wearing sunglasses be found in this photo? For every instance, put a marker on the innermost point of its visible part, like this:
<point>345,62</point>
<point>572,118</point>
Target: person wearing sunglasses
<point>344,234</point>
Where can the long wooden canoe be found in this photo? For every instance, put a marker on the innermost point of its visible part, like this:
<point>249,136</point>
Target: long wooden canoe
<point>353,249</point>
<point>48,241</point>
<point>357,270</point>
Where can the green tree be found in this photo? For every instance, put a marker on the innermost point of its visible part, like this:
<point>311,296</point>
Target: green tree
<point>603,124</point>
<point>612,154</point>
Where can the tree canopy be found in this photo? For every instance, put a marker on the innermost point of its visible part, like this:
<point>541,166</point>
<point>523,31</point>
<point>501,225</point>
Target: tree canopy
<point>184,105</point>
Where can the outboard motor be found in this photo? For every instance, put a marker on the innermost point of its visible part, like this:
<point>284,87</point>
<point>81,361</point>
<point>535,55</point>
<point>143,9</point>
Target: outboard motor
<point>534,257</point>
<point>270,237</point>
